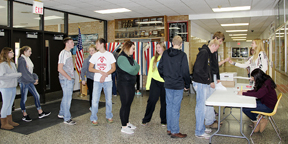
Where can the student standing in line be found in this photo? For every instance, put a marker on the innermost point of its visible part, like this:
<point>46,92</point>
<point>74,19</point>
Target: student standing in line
<point>210,120</point>
<point>264,91</point>
<point>89,75</point>
<point>27,82</point>
<point>66,78</point>
<point>114,74</point>
<point>156,85</point>
<point>258,60</point>
<point>202,82</point>
<point>138,85</point>
<point>174,69</point>
<point>8,83</point>
<point>127,69</point>
<point>102,64</point>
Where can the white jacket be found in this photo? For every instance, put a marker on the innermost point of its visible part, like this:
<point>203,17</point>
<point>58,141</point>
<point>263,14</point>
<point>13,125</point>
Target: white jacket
<point>261,62</point>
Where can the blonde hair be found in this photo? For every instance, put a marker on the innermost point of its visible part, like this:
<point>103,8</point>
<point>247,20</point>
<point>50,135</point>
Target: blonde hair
<point>126,47</point>
<point>213,41</point>
<point>162,45</point>
<point>258,49</point>
<point>177,40</point>
<point>4,55</point>
<point>93,46</point>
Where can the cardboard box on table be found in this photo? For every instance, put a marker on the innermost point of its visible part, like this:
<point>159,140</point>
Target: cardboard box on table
<point>227,79</point>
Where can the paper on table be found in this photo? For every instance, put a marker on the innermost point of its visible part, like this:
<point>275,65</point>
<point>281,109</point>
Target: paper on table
<point>242,77</point>
<point>219,86</point>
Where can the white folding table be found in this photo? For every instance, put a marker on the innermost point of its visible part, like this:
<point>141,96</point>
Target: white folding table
<point>231,99</point>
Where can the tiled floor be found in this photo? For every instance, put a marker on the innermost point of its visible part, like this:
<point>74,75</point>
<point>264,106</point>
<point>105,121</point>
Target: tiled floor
<point>84,132</point>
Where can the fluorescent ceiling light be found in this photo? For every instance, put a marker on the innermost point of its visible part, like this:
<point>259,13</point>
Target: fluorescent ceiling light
<point>118,10</point>
<point>225,9</point>
<point>1,7</point>
<point>279,33</point>
<point>174,28</point>
<point>49,17</point>
<point>279,36</point>
<point>248,40</point>
<point>237,37</point>
<point>235,24</point>
<point>149,22</point>
<point>237,34</point>
<point>18,26</point>
<point>236,30</point>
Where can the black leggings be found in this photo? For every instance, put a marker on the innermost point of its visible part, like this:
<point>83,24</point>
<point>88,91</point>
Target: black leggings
<point>156,89</point>
<point>127,92</point>
<point>138,82</point>
<point>90,88</point>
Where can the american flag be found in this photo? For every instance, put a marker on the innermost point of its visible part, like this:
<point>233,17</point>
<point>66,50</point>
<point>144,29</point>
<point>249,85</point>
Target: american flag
<point>79,54</point>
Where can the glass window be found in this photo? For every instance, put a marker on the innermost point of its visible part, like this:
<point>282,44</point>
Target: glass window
<point>286,56</point>
<point>91,30</point>
<point>23,17</point>
<point>280,49</point>
<point>53,21</point>
<point>3,11</point>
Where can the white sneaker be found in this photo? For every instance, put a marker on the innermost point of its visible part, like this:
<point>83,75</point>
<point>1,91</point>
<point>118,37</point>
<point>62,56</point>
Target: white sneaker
<point>61,116</point>
<point>208,130</point>
<point>127,130</point>
<point>205,135</point>
<point>131,126</point>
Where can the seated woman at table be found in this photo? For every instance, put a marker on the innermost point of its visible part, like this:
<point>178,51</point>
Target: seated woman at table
<point>264,90</point>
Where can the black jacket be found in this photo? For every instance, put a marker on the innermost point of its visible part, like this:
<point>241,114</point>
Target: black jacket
<point>202,66</point>
<point>174,69</point>
<point>214,64</point>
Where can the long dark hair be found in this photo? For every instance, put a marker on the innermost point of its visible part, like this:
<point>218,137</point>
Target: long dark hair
<point>260,77</point>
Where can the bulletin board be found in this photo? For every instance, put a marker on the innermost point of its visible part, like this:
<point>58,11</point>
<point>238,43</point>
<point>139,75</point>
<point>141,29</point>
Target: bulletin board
<point>87,40</point>
<point>238,52</point>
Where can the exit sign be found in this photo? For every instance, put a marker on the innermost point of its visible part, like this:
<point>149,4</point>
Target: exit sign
<point>38,7</point>
<point>238,43</point>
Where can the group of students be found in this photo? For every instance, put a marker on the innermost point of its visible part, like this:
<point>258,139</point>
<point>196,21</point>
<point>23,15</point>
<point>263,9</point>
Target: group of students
<point>10,76</point>
<point>168,76</point>
<point>206,66</point>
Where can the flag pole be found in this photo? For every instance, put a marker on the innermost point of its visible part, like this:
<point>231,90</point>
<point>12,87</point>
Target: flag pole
<point>79,45</point>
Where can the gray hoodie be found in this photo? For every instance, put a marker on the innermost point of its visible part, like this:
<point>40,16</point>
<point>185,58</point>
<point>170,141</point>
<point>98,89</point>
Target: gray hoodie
<point>26,77</point>
<point>8,75</point>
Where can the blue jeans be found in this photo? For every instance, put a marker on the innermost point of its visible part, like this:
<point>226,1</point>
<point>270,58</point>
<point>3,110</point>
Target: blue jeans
<point>97,88</point>
<point>24,91</point>
<point>203,112</point>
<point>173,101</point>
<point>8,96</point>
<point>114,88</point>
<point>209,110</point>
<point>67,88</point>
<point>259,107</point>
